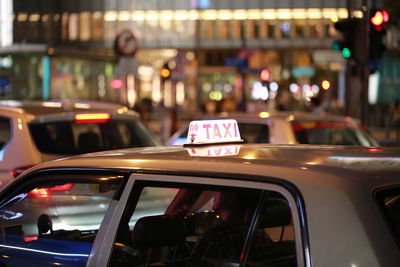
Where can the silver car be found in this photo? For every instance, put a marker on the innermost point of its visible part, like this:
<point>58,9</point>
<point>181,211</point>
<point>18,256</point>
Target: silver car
<point>35,131</point>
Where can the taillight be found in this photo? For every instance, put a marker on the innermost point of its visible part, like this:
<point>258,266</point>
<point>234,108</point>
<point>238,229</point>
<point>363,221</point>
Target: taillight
<point>92,117</point>
<point>46,192</point>
<point>19,170</point>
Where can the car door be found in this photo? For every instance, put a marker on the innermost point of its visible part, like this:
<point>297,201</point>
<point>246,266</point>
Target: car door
<point>174,220</point>
<point>53,219</point>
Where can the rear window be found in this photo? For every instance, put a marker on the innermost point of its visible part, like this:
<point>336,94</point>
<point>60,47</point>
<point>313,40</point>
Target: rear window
<point>72,138</point>
<point>389,201</point>
<point>5,131</point>
<point>331,133</point>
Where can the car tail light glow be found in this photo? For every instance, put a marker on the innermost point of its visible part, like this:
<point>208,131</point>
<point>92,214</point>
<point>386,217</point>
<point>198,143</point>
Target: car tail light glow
<point>39,193</point>
<point>19,170</point>
<point>30,238</point>
<point>46,192</point>
<point>92,117</point>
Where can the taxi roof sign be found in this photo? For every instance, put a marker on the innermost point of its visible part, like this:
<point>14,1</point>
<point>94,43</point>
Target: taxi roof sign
<point>208,132</point>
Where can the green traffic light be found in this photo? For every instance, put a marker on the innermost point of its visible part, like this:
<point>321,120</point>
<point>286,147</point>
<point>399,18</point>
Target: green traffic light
<point>336,46</point>
<point>346,52</point>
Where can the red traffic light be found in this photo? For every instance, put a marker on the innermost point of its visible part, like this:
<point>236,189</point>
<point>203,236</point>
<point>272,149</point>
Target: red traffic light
<point>265,75</point>
<point>379,17</point>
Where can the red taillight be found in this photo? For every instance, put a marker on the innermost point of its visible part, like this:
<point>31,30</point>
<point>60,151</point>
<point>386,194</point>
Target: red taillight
<point>46,192</point>
<point>18,171</point>
<point>30,238</point>
<point>92,117</point>
<point>39,193</point>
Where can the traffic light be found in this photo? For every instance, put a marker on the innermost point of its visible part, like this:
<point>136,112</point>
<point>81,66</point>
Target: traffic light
<point>349,30</point>
<point>265,75</point>
<point>377,32</point>
<point>165,72</point>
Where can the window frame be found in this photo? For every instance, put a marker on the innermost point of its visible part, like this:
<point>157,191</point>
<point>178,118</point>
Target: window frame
<point>289,191</point>
<point>71,175</point>
<point>10,128</point>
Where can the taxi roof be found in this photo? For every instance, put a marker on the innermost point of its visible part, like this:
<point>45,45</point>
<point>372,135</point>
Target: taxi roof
<point>38,108</point>
<point>370,166</point>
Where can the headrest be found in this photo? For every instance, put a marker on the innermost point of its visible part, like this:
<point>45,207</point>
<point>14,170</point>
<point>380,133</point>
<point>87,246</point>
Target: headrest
<point>276,212</point>
<point>160,230</point>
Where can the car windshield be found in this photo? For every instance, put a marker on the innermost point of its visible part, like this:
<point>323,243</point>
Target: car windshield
<point>70,138</point>
<point>331,133</point>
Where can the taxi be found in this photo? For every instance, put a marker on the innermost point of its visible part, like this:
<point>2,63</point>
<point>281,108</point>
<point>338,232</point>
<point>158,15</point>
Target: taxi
<point>35,131</point>
<point>212,202</point>
<point>292,127</point>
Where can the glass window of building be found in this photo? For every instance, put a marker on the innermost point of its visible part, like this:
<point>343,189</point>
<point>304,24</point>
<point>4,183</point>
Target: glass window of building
<point>73,30</point>
<point>249,29</point>
<point>34,28</point>
<point>166,29</point>
<point>236,29</point>
<point>263,29</point>
<point>285,29</point>
<point>97,26</point>
<point>271,30</point>
<point>64,27</point>
<point>110,25</point>
<point>299,28</point>
<point>151,30</point>
<point>223,29</point>
<point>47,25</point>
<point>207,28</point>
<point>84,26</point>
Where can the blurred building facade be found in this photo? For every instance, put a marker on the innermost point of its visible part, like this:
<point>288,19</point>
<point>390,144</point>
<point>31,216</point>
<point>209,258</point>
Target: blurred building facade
<point>211,50</point>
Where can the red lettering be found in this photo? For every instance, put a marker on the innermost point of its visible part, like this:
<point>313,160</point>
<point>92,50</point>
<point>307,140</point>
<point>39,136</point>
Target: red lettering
<point>216,131</point>
<point>227,132</point>
<point>207,127</point>
<point>235,129</point>
<point>228,151</point>
<point>217,152</point>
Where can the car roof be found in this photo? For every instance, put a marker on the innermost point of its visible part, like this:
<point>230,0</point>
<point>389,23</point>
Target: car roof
<point>293,115</point>
<point>372,166</point>
<point>38,108</point>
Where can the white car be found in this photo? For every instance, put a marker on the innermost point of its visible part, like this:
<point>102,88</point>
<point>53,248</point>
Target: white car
<point>212,202</point>
<point>36,131</point>
<point>292,128</point>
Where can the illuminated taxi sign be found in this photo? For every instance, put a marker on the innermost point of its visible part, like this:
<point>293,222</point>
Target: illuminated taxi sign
<point>213,132</point>
<point>214,151</point>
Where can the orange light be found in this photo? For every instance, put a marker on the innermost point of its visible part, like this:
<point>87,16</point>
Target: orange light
<point>92,117</point>
<point>377,19</point>
<point>265,75</point>
<point>325,84</point>
<point>165,73</point>
<point>39,193</point>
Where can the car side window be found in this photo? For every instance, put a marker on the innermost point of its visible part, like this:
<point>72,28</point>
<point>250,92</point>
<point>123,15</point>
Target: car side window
<point>5,131</point>
<point>274,220</point>
<point>198,225</point>
<point>53,221</point>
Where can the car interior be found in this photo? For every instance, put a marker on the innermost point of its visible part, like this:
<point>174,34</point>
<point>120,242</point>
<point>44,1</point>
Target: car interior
<point>207,228</point>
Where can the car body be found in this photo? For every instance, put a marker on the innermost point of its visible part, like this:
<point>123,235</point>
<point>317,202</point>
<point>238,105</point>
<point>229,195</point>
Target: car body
<point>220,204</point>
<point>292,128</point>
<point>35,131</point>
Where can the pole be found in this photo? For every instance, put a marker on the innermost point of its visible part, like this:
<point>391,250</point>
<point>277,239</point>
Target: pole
<point>364,63</point>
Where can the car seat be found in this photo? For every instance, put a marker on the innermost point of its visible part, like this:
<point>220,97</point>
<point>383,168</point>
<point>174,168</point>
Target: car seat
<point>160,240</point>
<point>275,213</point>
